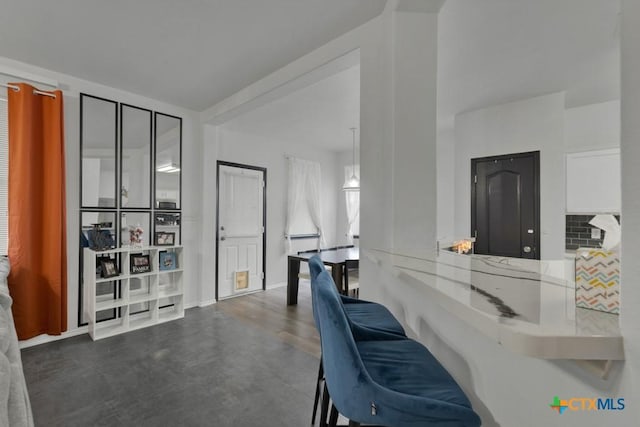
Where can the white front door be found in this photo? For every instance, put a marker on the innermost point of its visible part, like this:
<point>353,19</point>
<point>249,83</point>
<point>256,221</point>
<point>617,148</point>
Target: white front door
<point>240,230</point>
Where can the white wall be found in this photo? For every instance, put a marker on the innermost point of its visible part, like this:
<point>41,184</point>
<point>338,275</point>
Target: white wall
<point>446,187</point>
<point>191,149</point>
<point>414,84</point>
<point>529,125</point>
<point>592,127</point>
<point>257,150</point>
<point>593,175</point>
<point>630,154</point>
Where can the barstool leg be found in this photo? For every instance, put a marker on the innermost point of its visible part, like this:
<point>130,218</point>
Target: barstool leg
<point>333,417</point>
<point>318,387</point>
<point>324,409</point>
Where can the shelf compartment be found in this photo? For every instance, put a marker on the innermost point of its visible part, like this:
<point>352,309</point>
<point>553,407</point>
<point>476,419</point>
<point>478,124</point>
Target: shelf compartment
<point>141,323</point>
<point>122,303</point>
<point>110,304</point>
<point>140,298</point>
<point>170,284</point>
<point>134,275</point>
<point>167,316</point>
<point>108,331</point>
<point>170,308</point>
<point>166,293</point>
<point>112,279</point>
<point>107,328</point>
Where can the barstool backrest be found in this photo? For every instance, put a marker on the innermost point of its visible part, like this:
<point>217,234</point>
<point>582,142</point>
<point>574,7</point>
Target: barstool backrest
<point>343,367</point>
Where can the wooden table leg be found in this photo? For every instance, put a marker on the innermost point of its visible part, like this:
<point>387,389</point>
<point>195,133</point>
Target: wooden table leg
<point>336,273</point>
<point>292,281</point>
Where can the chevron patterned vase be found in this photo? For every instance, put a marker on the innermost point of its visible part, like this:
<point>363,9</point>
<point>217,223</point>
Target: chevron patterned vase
<point>598,280</point>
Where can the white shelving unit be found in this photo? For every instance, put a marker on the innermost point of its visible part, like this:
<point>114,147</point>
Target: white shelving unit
<point>138,300</point>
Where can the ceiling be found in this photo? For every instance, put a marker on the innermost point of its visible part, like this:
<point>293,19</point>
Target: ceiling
<point>191,53</point>
<point>490,52</point>
<point>496,51</point>
<point>320,115</point>
<point>196,53</point>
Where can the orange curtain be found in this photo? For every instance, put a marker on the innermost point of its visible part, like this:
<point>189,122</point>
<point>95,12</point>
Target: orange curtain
<point>37,217</point>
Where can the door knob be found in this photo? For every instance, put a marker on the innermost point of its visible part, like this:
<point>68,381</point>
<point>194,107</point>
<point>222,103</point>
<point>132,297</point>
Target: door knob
<point>527,249</point>
<point>223,238</point>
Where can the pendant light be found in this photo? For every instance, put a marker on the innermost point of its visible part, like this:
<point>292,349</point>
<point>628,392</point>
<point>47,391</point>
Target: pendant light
<point>352,183</point>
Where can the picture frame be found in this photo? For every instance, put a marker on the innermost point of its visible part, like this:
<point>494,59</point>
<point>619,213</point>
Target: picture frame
<point>163,238</point>
<point>108,268</point>
<point>168,261</point>
<point>140,263</point>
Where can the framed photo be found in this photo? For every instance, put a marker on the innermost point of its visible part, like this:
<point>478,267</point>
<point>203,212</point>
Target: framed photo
<point>140,263</point>
<point>168,261</point>
<point>108,268</point>
<point>163,238</point>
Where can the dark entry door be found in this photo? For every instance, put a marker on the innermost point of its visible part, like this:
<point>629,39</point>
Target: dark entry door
<point>505,205</point>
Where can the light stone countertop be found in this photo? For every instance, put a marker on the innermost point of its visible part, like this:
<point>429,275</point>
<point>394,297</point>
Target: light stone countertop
<point>527,306</point>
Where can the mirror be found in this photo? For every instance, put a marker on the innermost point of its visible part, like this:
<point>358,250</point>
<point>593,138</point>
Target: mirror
<point>135,183</point>
<point>168,131</point>
<point>98,124</point>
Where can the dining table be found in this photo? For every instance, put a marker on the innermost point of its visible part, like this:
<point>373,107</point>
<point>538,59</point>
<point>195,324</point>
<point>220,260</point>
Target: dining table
<point>335,258</point>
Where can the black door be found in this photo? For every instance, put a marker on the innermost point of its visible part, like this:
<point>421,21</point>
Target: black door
<point>505,205</point>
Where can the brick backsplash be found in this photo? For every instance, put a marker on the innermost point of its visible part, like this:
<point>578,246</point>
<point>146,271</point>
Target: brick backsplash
<point>578,232</point>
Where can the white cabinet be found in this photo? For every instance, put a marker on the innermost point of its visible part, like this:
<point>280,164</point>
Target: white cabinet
<point>128,300</point>
<point>593,182</point>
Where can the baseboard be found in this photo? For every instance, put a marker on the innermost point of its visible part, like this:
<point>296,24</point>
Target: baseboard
<point>206,303</point>
<point>277,285</point>
<point>43,339</point>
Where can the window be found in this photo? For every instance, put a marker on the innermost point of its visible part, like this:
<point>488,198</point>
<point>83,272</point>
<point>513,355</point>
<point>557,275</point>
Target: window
<point>302,224</point>
<point>4,177</point>
<point>304,213</point>
<point>304,216</point>
<point>352,199</point>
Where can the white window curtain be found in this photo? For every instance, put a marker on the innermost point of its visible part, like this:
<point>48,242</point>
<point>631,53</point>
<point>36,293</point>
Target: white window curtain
<point>304,187</point>
<point>352,203</point>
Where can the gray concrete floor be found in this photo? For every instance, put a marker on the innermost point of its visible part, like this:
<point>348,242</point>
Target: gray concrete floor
<point>208,369</point>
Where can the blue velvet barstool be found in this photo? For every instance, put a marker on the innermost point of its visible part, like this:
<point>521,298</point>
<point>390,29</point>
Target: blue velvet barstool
<point>376,380</point>
<point>366,314</point>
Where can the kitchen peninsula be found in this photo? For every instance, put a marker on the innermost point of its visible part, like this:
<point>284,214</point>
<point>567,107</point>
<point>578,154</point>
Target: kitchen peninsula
<point>507,300</point>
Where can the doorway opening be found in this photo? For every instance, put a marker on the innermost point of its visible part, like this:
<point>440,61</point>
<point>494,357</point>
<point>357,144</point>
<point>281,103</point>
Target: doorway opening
<point>505,205</point>
<point>241,208</point>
